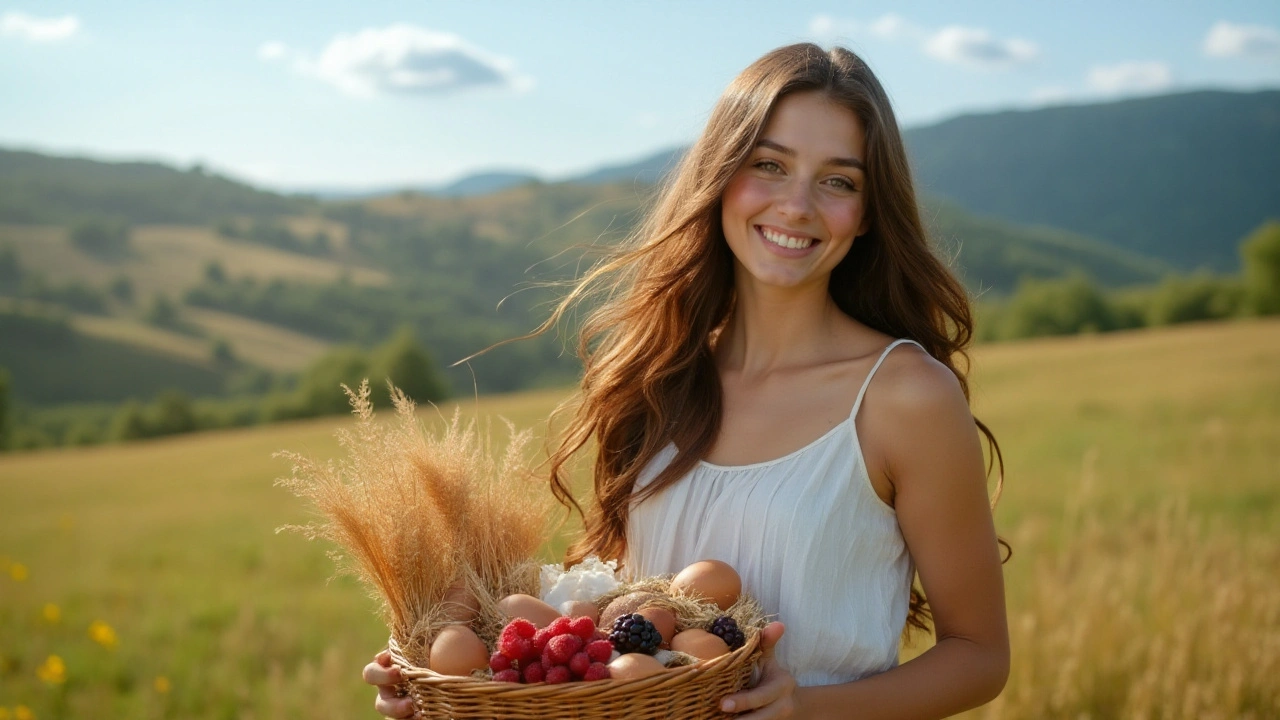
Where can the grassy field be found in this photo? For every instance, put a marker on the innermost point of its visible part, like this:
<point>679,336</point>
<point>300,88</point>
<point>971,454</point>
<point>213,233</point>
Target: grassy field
<point>1142,501</point>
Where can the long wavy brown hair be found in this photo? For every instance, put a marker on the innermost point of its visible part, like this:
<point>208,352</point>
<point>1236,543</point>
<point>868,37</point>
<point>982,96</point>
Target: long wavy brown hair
<point>662,296</point>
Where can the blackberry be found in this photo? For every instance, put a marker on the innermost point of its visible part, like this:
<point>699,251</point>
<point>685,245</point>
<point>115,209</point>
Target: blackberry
<point>727,628</point>
<point>634,633</point>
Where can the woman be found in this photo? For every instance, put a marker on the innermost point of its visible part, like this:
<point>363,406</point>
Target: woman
<point>771,381</point>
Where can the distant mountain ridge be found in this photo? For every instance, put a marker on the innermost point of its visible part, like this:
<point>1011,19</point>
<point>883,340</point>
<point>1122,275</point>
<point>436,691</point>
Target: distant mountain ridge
<point>1181,177</point>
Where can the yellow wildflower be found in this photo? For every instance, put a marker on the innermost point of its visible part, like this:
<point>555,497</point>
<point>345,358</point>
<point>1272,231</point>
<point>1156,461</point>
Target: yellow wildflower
<point>22,712</point>
<point>102,634</point>
<point>18,572</point>
<point>162,684</point>
<point>51,614</point>
<point>52,671</point>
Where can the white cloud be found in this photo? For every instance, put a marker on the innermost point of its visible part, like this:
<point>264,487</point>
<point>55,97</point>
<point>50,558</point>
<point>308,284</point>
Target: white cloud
<point>401,59</point>
<point>978,48</point>
<point>971,47</point>
<point>35,29</point>
<point>272,50</point>
<point>1227,39</point>
<point>1050,95</point>
<point>895,27</point>
<point>1131,77</point>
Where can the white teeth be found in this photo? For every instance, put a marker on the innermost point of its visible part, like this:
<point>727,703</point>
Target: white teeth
<point>785,241</point>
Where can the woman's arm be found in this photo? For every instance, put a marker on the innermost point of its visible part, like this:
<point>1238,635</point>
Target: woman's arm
<point>927,446</point>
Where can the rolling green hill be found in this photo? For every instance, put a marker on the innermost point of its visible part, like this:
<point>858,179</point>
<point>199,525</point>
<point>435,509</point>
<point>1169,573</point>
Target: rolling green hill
<point>1177,177</point>
<point>50,363</point>
<point>37,188</point>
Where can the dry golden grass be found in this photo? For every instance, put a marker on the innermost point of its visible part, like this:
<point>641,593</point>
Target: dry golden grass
<point>442,526</point>
<point>1145,612</point>
<point>1142,502</point>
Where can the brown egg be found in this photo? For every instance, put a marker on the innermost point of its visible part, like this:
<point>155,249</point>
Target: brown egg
<point>457,651</point>
<point>580,608</point>
<point>624,605</point>
<point>633,666</point>
<point>460,603</point>
<point>711,579</point>
<point>664,620</point>
<point>699,643</point>
<point>528,607</point>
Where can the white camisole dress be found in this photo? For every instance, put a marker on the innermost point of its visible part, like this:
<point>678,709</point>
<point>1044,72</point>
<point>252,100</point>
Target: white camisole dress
<point>812,541</point>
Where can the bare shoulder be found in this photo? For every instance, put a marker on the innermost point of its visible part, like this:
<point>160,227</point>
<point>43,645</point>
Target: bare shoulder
<point>916,413</point>
<point>912,383</point>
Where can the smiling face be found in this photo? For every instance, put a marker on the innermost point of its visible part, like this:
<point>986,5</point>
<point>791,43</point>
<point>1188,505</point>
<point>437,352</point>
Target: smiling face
<point>792,211</point>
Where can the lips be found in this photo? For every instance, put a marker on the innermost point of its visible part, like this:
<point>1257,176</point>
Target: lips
<point>781,239</point>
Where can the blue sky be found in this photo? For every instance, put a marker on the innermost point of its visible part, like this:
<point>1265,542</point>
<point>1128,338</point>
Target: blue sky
<point>339,94</point>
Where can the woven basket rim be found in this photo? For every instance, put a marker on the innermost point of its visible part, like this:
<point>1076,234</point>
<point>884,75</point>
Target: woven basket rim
<point>669,678</point>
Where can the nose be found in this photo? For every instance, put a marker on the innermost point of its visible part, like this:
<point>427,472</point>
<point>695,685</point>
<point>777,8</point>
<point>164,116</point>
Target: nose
<point>796,201</point>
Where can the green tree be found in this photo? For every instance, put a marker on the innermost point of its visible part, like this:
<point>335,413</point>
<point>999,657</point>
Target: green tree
<point>214,273</point>
<point>10,270</point>
<point>223,354</point>
<point>1202,296</point>
<point>1260,253</point>
<point>122,289</point>
<point>319,391</point>
<point>1057,307</point>
<point>163,313</point>
<point>130,422</point>
<point>103,238</point>
<point>4,409</point>
<point>174,413</point>
<point>402,361</point>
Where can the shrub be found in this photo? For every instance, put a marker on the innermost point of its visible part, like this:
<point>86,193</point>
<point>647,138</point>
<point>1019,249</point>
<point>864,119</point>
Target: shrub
<point>102,238</point>
<point>1179,299</point>
<point>1056,307</point>
<point>1260,253</point>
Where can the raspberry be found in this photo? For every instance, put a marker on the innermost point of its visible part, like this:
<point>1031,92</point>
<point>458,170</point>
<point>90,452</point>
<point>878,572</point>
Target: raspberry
<point>541,638</point>
<point>534,672</point>
<point>579,663</point>
<point>600,651</point>
<point>516,640</point>
<point>727,629</point>
<point>508,675</point>
<point>583,627</point>
<point>558,674</point>
<point>562,648</point>
<point>523,628</point>
<point>499,662</point>
<point>560,626</point>
<point>634,633</point>
<point>597,671</point>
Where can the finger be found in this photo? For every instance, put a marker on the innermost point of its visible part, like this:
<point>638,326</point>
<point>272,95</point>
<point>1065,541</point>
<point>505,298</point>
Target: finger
<point>770,635</point>
<point>776,685</point>
<point>393,707</point>
<point>376,674</point>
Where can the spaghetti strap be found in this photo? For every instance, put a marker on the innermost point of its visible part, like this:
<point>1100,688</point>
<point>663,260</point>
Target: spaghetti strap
<point>867,383</point>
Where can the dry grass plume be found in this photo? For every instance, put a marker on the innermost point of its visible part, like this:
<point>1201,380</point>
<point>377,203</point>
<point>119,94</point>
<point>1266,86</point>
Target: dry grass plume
<point>430,523</point>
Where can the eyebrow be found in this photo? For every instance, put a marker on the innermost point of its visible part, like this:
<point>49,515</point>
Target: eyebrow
<point>842,162</point>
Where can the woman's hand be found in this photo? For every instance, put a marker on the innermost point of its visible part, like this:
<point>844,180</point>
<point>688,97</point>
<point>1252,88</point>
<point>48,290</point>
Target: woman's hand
<point>386,676</point>
<point>773,696</point>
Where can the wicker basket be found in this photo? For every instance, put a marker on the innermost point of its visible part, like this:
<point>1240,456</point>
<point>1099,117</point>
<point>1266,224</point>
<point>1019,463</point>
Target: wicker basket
<point>692,691</point>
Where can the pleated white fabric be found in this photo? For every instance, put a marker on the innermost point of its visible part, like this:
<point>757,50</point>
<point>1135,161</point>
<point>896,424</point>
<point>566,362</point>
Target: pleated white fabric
<point>810,538</point>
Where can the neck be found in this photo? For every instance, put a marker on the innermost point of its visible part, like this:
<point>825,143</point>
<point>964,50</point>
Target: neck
<point>777,328</point>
